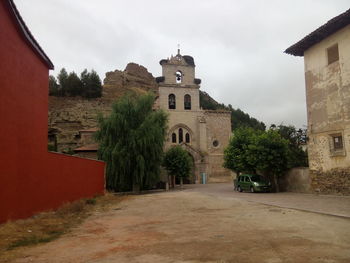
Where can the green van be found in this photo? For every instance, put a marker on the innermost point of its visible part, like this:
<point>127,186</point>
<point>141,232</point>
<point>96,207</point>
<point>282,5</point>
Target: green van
<point>252,183</point>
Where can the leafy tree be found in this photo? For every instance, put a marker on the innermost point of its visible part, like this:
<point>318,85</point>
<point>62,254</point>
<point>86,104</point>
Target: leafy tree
<point>92,84</point>
<point>84,77</point>
<point>53,86</point>
<point>206,102</point>
<point>89,84</point>
<point>178,162</point>
<point>62,80</point>
<point>255,151</point>
<point>74,86</point>
<point>297,156</point>
<point>242,119</point>
<point>268,153</point>
<point>238,117</point>
<point>236,157</point>
<point>131,142</point>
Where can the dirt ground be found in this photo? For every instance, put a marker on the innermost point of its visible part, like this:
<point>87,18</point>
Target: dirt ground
<point>189,226</point>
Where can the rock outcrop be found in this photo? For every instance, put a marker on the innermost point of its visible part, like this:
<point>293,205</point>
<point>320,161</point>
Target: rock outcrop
<point>134,78</point>
<point>69,115</point>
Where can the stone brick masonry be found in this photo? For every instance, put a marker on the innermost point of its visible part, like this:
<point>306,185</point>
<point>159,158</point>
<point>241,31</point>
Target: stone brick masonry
<point>335,181</point>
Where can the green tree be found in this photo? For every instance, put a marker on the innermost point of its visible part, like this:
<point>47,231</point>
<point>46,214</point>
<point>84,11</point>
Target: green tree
<point>253,151</point>
<point>74,85</point>
<point>53,86</point>
<point>131,142</point>
<point>238,117</point>
<point>268,153</point>
<point>178,162</point>
<point>236,156</point>
<point>62,80</point>
<point>92,86</point>
<point>296,138</point>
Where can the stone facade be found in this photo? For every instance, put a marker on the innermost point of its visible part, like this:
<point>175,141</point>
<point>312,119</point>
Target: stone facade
<point>326,54</point>
<point>204,134</point>
<point>72,121</point>
<point>334,181</point>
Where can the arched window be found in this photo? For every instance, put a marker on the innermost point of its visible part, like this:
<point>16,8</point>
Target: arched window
<point>187,102</point>
<point>181,138</point>
<point>178,75</point>
<point>173,137</point>
<point>187,137</point>
<point>172,101</point>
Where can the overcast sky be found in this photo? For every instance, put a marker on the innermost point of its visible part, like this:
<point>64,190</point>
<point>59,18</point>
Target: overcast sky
<point>237,45</point>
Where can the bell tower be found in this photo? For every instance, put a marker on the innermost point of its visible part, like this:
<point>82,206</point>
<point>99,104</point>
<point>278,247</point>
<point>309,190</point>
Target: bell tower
<point>203,134</point>
<point>178,87</point>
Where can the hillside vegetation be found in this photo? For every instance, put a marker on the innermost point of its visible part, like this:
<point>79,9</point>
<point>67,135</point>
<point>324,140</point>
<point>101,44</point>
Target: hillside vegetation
<point>238,117</point>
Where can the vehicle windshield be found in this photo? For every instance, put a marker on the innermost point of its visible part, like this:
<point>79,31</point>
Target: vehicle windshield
<point>255,178</point>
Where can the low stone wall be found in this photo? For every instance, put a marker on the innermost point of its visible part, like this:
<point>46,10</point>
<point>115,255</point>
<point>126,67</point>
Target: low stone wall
<point>335,181</point>
<point>296,180</point>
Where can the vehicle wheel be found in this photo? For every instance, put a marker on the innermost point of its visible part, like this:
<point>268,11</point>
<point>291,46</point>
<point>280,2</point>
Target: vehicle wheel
<point>239,189</point>
<point>252,189</point>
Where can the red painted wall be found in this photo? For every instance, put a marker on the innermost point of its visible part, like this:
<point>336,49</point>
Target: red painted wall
<point>31,178</point>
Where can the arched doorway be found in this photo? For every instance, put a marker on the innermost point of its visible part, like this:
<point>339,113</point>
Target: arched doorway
<point>199,162</point>
<point>192,178</point>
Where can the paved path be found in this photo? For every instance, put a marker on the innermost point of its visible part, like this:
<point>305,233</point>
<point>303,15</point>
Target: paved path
<point>324,204</point>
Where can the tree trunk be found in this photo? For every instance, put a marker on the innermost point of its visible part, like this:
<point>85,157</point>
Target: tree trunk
<point>181,182</point>
<point>136,188</point>
<point>167,186</point>
<point>275,179</point>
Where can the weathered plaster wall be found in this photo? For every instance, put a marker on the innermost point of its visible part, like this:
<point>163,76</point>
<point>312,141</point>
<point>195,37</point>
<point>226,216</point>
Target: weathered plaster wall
<point>328,108</point>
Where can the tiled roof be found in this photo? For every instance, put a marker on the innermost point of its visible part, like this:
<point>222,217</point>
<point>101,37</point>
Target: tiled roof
<point>319,34</point>
<point>28,35</point>
<point>87,148</point>
<point>89,130</point>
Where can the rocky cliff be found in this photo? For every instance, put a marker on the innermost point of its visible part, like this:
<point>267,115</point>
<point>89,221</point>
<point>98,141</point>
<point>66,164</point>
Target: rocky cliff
<point>69,115</point>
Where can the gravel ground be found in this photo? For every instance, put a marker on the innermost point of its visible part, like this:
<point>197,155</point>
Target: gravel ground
<point>200,224</point>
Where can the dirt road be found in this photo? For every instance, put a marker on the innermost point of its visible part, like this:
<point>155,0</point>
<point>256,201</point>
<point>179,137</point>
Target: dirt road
<point>195,226</point>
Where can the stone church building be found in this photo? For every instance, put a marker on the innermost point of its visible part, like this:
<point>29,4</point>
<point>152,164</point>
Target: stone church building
<point>203,133</point>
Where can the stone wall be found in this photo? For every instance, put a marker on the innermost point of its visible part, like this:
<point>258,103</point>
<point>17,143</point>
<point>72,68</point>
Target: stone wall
<point>218,132</point>
<point>303,180</point>
<point>335,181</point>
<point>296,180</point>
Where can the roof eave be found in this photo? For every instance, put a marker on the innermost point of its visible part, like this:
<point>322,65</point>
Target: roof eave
<point>324,31</point>
<point>28,35</point>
